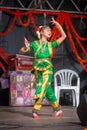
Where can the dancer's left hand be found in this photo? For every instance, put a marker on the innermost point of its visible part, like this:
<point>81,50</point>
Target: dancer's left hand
<point>53,21</point>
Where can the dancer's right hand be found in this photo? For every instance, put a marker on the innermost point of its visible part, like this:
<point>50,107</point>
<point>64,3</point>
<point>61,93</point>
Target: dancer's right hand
<point>23,50</point>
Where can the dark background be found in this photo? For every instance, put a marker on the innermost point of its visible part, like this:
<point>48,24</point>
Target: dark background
<point>63,57</point>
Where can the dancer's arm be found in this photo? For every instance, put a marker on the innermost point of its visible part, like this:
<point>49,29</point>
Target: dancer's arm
<point>63,35</point>
<point>26,47</point>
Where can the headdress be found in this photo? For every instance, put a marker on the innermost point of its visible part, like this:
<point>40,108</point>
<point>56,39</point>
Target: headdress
<point>38,31</point>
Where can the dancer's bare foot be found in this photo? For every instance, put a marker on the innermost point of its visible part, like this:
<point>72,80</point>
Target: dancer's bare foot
<point>57,113</point>
<point>35,116</point>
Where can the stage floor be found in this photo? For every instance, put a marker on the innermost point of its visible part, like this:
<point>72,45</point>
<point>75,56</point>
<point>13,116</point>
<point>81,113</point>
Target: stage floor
<point>20,118</point>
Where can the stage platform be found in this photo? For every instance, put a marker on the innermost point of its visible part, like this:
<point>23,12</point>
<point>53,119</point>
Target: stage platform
<point>20,118</point>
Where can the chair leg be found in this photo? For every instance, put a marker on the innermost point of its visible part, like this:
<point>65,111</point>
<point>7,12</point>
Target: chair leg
<point>58,95</point>
<point>74,97</point>
<point>77,99</point>
<point>56,92</point>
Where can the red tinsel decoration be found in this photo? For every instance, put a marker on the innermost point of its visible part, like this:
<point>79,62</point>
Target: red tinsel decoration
<point>63,18</point>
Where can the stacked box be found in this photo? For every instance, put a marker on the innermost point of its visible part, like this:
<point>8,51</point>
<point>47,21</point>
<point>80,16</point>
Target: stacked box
<point>22,88</point>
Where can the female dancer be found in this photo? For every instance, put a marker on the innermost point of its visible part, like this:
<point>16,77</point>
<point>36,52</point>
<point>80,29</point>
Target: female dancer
<point>43,68</point>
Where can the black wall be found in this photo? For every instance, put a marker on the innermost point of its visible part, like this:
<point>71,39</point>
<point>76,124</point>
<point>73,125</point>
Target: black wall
<point>63,57</point>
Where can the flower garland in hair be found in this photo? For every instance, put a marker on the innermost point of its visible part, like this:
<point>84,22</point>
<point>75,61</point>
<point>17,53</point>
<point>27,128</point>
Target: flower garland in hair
<point>38,31</point>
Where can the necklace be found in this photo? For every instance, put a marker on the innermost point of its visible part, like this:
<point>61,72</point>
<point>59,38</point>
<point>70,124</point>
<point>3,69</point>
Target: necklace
<point>42,48</point>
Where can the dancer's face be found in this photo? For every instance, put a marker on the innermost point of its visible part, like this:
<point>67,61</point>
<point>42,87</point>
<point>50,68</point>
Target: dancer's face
<point>46,32</point>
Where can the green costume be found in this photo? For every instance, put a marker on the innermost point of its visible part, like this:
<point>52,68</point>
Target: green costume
<point>43,70</point>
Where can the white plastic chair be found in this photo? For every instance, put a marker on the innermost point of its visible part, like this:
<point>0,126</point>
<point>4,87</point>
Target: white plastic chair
<point>67,79</point>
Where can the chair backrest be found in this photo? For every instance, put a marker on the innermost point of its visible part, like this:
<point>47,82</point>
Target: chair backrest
<point>67,78</point>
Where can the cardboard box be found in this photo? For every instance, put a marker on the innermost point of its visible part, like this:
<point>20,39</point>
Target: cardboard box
<point>22,88</point>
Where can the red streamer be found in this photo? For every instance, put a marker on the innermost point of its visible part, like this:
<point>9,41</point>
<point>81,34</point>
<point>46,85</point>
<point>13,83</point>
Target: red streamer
<point>62,18</point>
